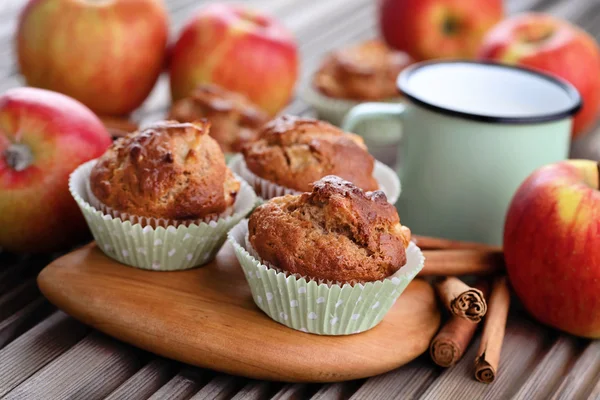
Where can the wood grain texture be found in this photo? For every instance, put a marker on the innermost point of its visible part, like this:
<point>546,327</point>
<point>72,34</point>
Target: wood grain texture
<point>182,386</point>
<point>544,379</point>
<point>292,392</point>
<point>146,381</point>
<point>36,348</point>
<point>408,382</point>
<point>254,390</point>
<point>91,369</point>
<point>207,317</point>
<point>221,387</point>
<point>18,297</point>
<point>23,319</point>
<point>584,373</point>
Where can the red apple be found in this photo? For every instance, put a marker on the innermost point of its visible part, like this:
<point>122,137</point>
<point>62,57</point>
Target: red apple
<point>105,53</point>
<point>44,136</point>
<point>238,49</point>
<point>551,248</point>
<point>548,44</point>
<point>430,29</point>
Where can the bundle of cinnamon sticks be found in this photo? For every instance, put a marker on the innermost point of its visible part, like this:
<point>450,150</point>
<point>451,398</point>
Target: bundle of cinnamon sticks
<point>488,301</point>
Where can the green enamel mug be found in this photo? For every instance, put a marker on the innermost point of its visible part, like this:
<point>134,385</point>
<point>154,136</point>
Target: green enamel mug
<point>472,132</point>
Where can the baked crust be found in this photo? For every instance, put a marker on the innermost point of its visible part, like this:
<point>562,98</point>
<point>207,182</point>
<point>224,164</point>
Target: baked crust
<point>366,71</point>
<point>168,170</point>
<point>234,119</point>
<point>335,233</point>
<point>295,152</point>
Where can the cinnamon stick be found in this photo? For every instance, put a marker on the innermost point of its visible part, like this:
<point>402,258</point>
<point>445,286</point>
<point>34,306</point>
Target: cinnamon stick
<point>451,342</point>
<point>488,356</point>
<point>460,299</point>
<point>118,126</point>
<point>433,243</point>
<point>462,262</point>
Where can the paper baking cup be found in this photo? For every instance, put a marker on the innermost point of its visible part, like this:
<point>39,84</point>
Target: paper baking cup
<point>386,178</point>
<point>160,249</point>
<point>322,309</point>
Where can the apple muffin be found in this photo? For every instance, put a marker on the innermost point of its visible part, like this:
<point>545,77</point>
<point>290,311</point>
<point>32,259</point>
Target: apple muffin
<point>171,171</point>
<point>294,152</point>
<point>234,119</point>
<point>336,233</point>
<point>365,71</point>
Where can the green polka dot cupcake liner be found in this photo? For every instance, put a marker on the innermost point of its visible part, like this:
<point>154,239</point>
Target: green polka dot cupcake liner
<point>321,308</point>
<point>160,248</point>
<point>388,181</point>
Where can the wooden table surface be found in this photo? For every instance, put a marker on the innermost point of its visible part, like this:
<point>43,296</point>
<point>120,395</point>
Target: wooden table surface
<point>45,354</point>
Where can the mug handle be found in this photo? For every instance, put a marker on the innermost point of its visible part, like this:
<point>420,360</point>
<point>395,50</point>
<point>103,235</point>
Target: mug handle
<point>367,111</point>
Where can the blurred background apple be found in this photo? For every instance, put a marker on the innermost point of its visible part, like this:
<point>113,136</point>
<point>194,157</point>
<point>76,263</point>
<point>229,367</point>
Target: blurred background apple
<point>44,136</point>
<point>105,53</point>
<point>429,29</point>
<point>238,49</point>
<point>554,46</point>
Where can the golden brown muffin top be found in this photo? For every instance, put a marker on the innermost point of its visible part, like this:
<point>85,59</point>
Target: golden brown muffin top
<point>234,119</point>
<point>366,71</point>
<point>335,233</point>
<point>295,152</point>
<point>168,170</point>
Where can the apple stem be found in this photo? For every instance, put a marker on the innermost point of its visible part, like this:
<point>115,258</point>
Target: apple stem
<point>18,156</point>
<point>450,26</point>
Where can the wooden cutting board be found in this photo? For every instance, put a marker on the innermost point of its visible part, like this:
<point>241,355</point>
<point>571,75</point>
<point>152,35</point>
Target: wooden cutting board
<point>206,317</point>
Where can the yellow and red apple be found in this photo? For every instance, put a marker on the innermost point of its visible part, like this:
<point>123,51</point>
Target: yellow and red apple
<point>105,53</point>
<point>430,29</point>
<point>238,49</point>
<point>544,43</point>
<point>44,136</point>
<point>551,246</point>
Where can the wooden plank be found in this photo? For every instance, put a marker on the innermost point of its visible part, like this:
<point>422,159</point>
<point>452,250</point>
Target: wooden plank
<point>146,381</point>
<point>255,390</point>
<point>182,386</point>
<point>36,348</point>
<point>582,376</point>
<point>296,391</point>
<point>548,371</point>
<point>91,369</point>
<point>338,391</point>
<point>16,269</point>
<point>595,392</point>
<point>408,382</point>
<point>18,297</point>
<point>333,391</point>
<point>24,319</point>
<point>222,387</point>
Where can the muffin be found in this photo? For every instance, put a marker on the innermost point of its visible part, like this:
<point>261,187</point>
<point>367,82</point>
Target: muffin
<point>360,73</point>
<point>169,171</point>
<point>335,233</point>
<point>331,261</point>
<point>234,119</point>
<point>162,198</point>
<point>363,72</point>
<point>294,152</point>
